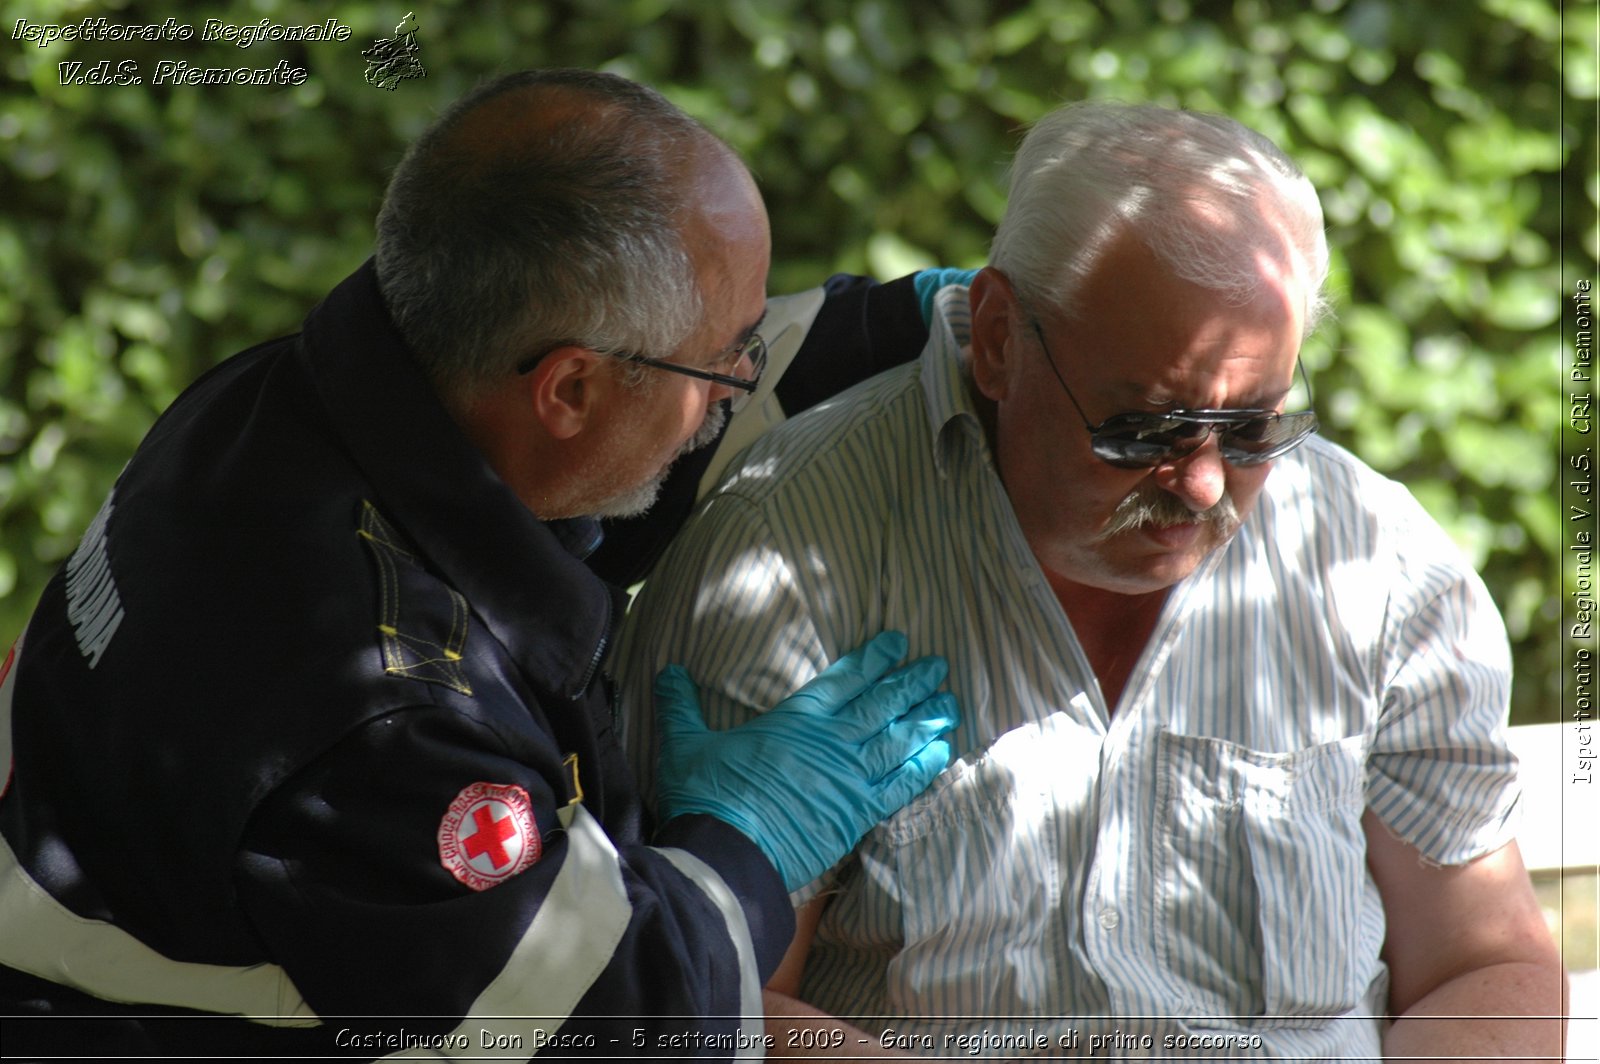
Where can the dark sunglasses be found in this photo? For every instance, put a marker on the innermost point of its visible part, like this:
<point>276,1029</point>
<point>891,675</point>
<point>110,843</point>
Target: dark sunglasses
<point>1245,437</point>
<point>751,352</point>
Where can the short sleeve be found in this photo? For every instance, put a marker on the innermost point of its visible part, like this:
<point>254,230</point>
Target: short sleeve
<point>1442,776</point>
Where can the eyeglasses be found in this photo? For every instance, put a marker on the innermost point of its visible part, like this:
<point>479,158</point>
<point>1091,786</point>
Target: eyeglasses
<point>750,352</point>
<point>1246,437</point>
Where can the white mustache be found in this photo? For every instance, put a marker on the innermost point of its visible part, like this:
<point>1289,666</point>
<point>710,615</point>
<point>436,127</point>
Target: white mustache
<point>1159,509</point>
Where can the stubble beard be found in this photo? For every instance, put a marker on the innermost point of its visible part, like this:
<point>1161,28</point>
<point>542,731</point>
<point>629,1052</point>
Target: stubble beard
<point>634,501</point>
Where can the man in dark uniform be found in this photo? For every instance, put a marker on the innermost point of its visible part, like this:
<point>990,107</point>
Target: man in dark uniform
<point>310,742</point>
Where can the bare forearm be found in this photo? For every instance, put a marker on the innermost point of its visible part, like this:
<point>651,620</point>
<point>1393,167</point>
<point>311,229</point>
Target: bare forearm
<point>1507,1011</point>
<point>798,1030</point>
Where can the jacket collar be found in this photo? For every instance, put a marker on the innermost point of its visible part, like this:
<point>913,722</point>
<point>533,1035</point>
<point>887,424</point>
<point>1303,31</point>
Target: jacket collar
<point>524,578</point>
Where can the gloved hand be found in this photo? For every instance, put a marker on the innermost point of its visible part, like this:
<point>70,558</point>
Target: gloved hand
<point>808,779</point>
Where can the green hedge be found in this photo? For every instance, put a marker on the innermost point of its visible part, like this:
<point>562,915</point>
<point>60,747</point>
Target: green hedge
<point>147,231</point>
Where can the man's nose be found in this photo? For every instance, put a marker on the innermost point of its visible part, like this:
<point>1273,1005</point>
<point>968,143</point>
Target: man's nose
<point>1198,478</point>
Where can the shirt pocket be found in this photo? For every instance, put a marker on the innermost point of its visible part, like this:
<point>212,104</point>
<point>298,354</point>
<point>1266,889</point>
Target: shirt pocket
<point>1261,878</point>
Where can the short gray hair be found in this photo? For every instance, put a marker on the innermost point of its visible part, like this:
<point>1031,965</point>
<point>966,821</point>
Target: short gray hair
<point>487,257</point>
<point>1087,171</point>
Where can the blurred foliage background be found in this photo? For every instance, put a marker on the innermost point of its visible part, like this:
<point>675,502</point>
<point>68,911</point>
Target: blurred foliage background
<point>148,231</point>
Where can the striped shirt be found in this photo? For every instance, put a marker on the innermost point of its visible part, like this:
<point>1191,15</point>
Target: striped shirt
<point>1190,867</point>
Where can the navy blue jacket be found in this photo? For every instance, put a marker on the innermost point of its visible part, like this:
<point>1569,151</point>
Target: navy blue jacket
<point>313,752</point>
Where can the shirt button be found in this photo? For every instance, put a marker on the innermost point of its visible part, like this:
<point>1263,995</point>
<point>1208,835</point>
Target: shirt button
<point>1109,918</point>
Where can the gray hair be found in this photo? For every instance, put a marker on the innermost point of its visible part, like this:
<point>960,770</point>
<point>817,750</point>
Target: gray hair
<point>490,255</point>
<point>1209,196</point>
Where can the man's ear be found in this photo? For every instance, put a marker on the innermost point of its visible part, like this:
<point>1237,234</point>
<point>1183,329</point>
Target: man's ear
<point>994,305</point>
<point>563,390</point>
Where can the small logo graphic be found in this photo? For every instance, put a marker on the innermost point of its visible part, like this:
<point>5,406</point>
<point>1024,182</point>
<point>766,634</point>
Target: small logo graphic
<point>392,60</point>
<point>489,835</point>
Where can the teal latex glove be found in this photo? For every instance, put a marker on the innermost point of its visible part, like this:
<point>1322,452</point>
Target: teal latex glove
<point>928,283</point>
<point>808,779</point>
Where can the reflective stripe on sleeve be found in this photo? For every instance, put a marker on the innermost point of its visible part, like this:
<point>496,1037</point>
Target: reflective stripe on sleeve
<point>48,940</point>
<point>750,1002</point>
<point>566,947</point>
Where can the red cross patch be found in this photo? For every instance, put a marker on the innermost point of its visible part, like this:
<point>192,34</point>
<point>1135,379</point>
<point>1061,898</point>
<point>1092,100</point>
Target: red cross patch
<point>488,834</point>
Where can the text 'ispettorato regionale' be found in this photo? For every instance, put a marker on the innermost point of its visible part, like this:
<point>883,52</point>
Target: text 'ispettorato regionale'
<point>176,71</point>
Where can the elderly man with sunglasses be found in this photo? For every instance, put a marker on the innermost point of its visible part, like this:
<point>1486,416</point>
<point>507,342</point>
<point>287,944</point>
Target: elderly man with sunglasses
<point>1231,777</point>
